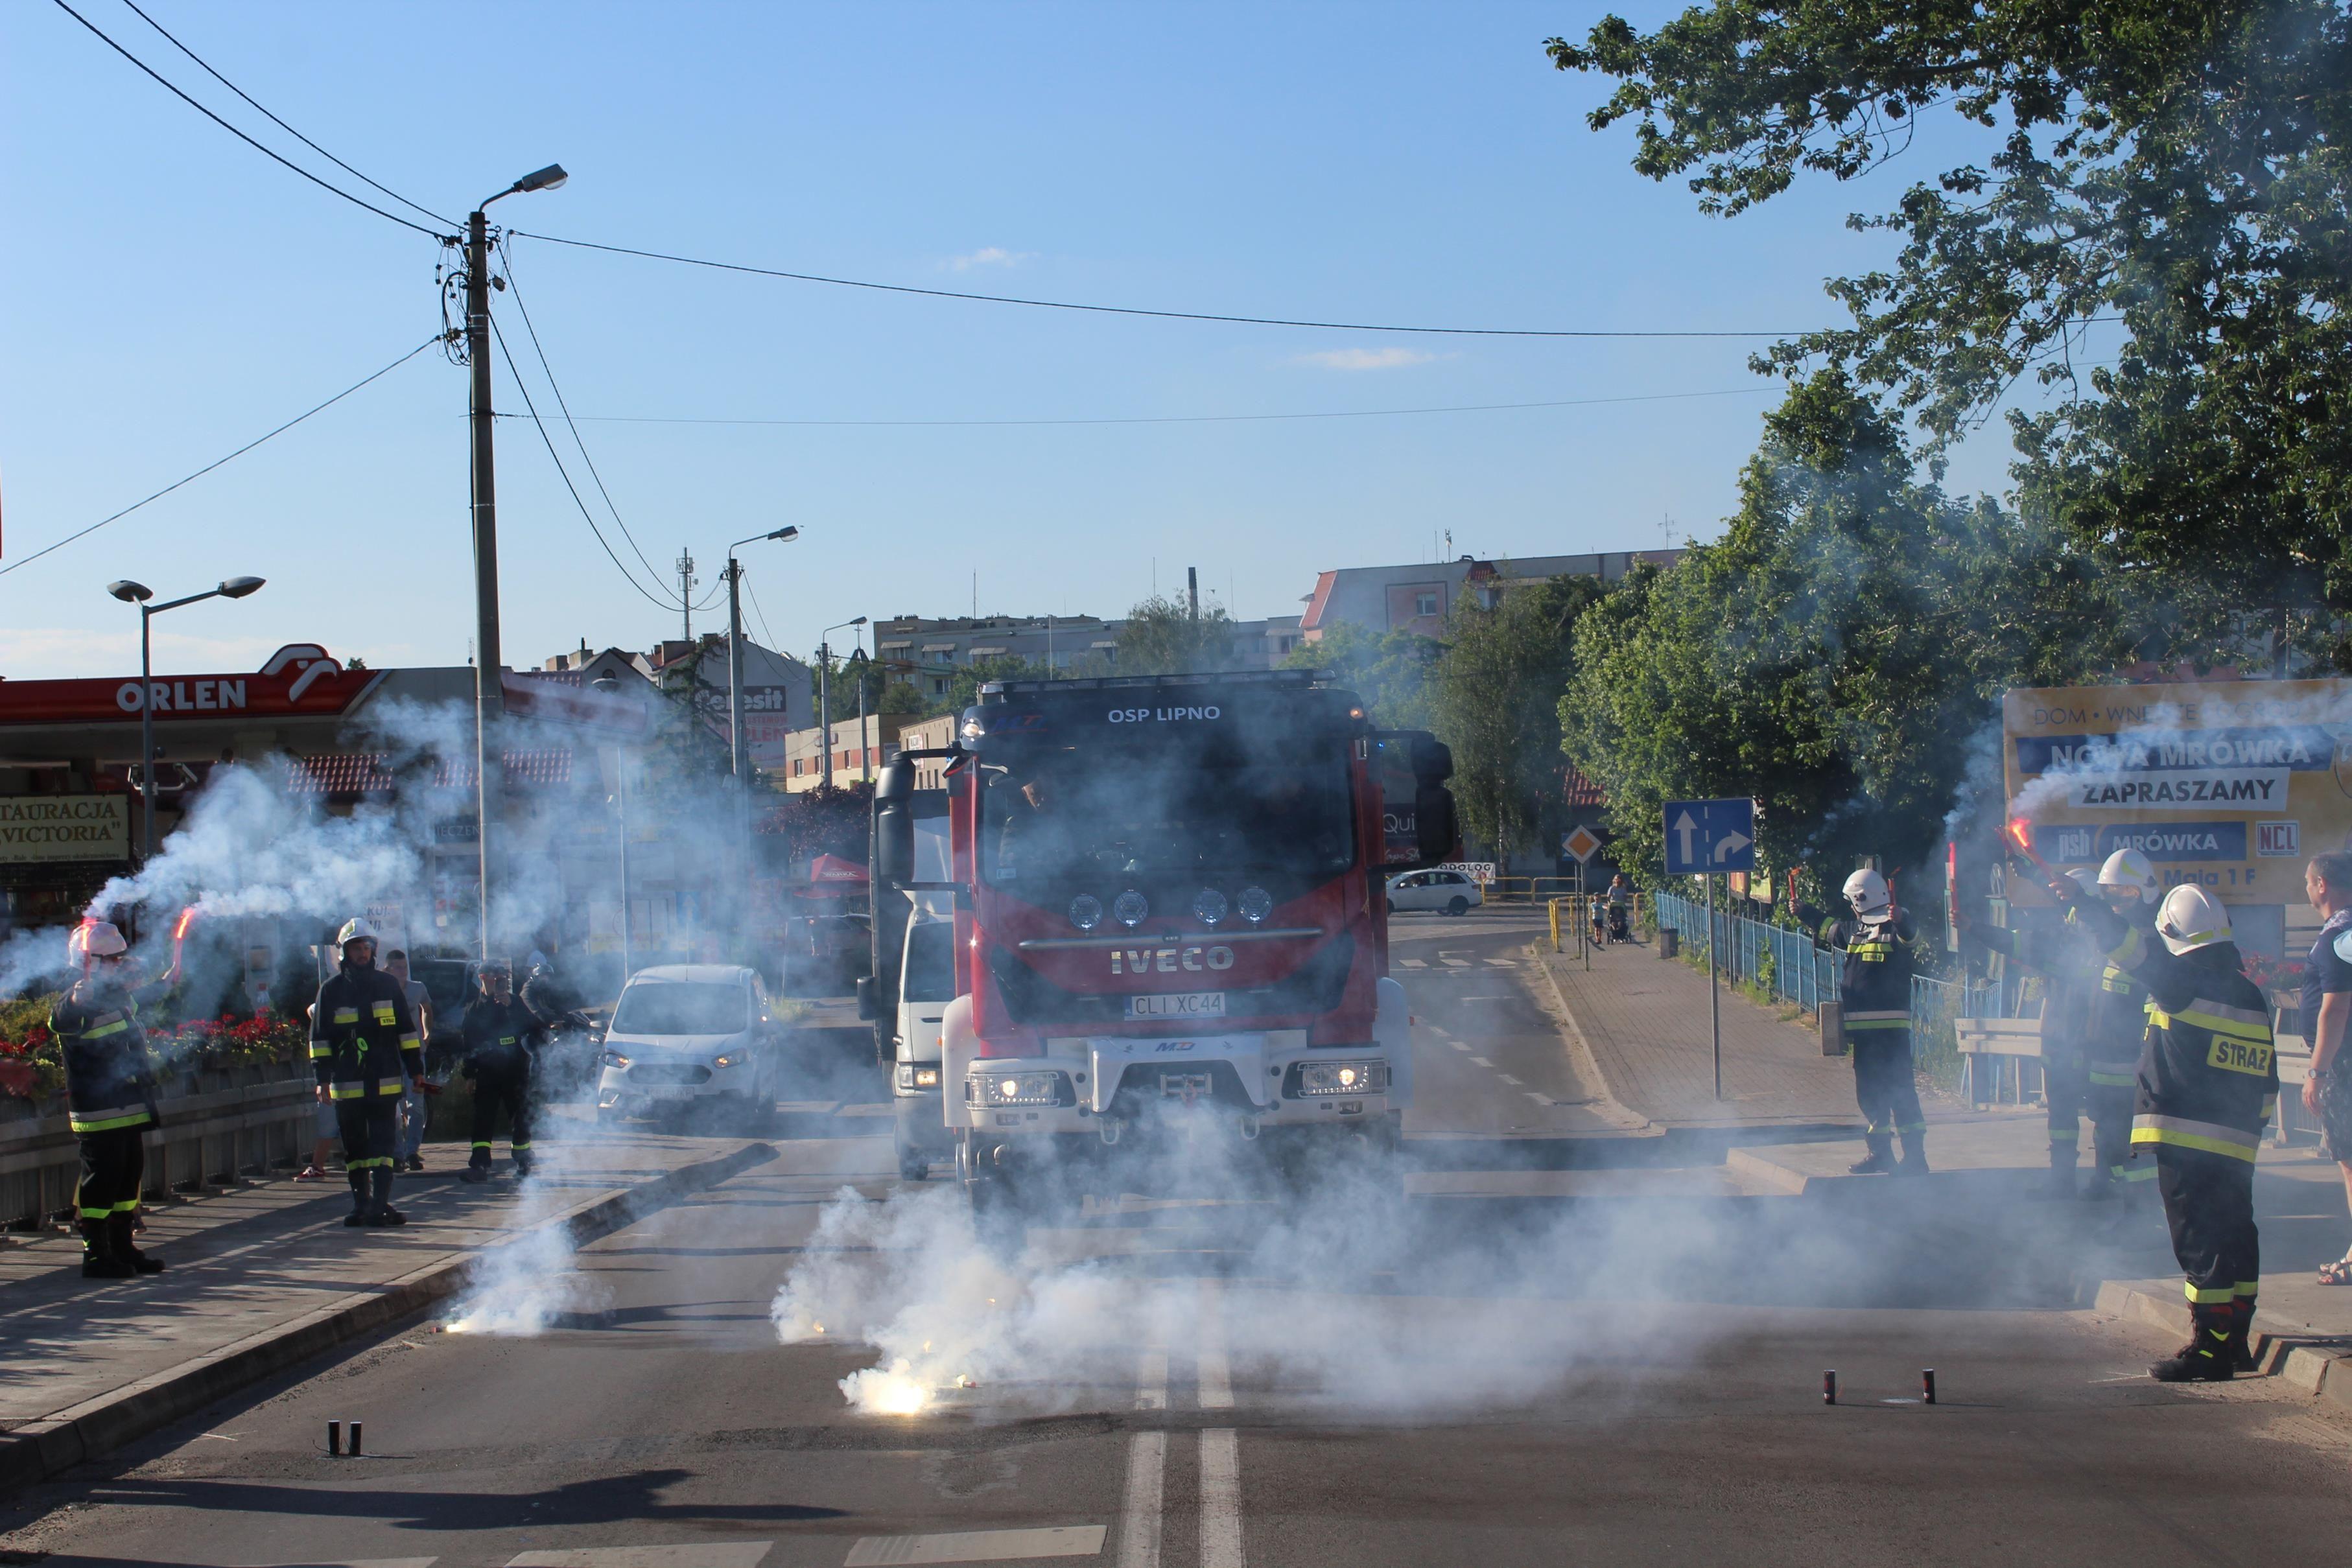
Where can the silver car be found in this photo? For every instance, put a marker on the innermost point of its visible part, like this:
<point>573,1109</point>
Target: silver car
<point>692,1036</point>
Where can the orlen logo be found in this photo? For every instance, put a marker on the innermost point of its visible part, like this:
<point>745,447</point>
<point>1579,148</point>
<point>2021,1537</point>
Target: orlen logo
<point>1164,715</point>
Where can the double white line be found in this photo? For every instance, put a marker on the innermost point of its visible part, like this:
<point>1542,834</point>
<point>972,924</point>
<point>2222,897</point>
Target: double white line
<point>1220,1453</point>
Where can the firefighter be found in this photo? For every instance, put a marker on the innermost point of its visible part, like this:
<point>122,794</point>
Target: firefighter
<point>2119,1030</point>
<point>2208,1083</point>
<point>362,1035</point>
<point>2071,959</point>
<point>501,1059</point>
<point>110,1095</point>
<point>1874,994</point>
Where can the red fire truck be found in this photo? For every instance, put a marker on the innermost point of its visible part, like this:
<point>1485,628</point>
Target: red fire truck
<point>1170,930</point>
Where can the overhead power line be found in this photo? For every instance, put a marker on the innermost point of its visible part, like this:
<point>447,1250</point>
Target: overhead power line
<point>282,125</point>
<point>1132,310</point>
<point>662,604</point>
<point>218,462</point>
<point>1172,418</point>
<point>273,156</point>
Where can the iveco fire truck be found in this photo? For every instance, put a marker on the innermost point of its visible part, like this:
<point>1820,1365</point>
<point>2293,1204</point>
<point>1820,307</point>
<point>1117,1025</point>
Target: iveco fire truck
<point>1168,917</point>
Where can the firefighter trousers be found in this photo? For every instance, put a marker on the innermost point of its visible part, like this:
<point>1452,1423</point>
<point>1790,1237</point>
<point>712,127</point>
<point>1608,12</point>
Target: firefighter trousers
<point>369,1125</point>
<point>1884,1086</point>
<point>2066,1092</point>
<point>2209,1204</point>
<point>2111,1118</point>
<point>113,1167</point>
<point>507,1088</point>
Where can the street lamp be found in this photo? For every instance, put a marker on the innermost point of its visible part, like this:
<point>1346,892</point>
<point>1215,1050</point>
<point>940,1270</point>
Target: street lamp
<point>824,694</point>
<point>490,696</point>
<point>610,685</point>
<point>735,748</point>
<point>139,593</point>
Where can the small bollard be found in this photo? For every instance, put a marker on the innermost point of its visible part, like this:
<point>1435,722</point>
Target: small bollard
<point>355,1439</point>
<point>335,1439</point>
<point>1829,1387</point>
<point>1928,1383</point>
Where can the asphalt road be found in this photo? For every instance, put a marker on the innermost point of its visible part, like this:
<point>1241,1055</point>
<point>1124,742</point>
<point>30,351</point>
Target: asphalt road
<point>1628,1378</point>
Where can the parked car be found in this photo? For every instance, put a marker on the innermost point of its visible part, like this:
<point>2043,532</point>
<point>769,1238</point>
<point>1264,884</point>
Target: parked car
<point>692,1036</point>
<point>1451,891</point>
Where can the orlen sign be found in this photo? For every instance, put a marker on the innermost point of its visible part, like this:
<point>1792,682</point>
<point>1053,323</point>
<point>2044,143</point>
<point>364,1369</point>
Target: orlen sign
<point>300,679</point>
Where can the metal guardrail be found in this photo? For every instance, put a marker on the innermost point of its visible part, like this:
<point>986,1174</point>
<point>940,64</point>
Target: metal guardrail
<point>210,1135</point>
<point>1787,963</point>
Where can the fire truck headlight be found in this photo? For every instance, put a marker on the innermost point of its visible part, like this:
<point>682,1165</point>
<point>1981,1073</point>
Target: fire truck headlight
<point>1014,1089</point>
<point>1343,1078</point>
<point>1210,905</point>
<point>1256,904</point>
<point>1085,912</point>
<point>1130,907</point>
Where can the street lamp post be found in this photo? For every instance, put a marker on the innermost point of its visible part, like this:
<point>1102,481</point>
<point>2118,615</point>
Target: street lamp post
<point>737,752</point>
<point>824,693</point>
<point>139,593</point>
<point>490,695</point>
<point>610,685</point>
<point>865,753</point>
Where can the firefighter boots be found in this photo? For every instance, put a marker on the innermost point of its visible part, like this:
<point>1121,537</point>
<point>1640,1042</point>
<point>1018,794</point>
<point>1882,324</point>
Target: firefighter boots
<point>97,1258</point>
<point>118,1233</point>
<point>2207,1357</point>
<point>1914,1154</point>
<point>1878,1162</point>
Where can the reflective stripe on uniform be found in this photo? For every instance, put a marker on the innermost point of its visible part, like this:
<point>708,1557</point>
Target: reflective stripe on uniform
<point>2247,1288</point>
<point>384,1013</point>
<point>389,1086</point>
<point>2212,1137</point>
<point>347,1090</point>
<point>409,1041</point>
<point>2216,1017</point>
<point>104,1030</point>
<point>370,1163</point>
<point>106,1121</point>
<point>320,1048</point>
<point>2212,1297</point>
<point>2113,1080</point>
<point>347,1015</point>
<point>2069,1136</point>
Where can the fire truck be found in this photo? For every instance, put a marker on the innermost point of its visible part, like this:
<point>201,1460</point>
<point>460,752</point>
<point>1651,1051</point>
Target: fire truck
<point>1169,927</point>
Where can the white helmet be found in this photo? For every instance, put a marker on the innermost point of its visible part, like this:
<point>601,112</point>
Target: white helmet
<point>2191,918</point>
<point>355,929</point>
<point>1867,890</point>
<point>2086,879</point>
<point>94,939</point>
<point>2129,868</point>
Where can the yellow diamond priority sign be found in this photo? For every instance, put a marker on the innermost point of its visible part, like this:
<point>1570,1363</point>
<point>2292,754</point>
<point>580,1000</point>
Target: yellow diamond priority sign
<point>1581,843</point>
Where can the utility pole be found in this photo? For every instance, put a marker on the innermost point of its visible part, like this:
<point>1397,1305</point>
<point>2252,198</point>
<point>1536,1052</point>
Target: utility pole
<point>865,751</point>
<point>735,669</point>
<point>687,583</point>
<point>824,707</point>
<point>1192,590</point>
<point>489,691</point>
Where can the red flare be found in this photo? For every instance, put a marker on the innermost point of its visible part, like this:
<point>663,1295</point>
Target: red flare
<point>180,927</point>
<point>2021,834</point>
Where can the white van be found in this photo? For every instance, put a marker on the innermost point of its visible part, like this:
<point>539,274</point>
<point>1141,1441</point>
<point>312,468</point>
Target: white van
<point>691,1037</point>
<point>925,987</point>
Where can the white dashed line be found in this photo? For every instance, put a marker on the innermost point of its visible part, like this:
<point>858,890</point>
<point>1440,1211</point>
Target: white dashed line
<point>1482,1062</point>
<point>1221,1498</point>
<point>964,1546</point>
<point>1510,1080</point>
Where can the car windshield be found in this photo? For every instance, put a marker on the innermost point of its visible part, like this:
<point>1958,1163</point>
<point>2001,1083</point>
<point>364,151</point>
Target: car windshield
<point>1105,812</point>
<point>670,1007</point>
<point>930,964</point>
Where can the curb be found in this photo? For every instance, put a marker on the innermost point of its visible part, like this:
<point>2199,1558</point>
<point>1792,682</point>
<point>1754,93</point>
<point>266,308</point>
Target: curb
<point>1588,1060</point>
<point>38,1449</point>
<point>2315,1368</point>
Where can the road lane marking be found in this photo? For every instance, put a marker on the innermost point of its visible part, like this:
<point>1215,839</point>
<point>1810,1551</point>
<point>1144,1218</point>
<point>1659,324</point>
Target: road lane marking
<point>1457,1045</point>
<point>1151,1383</point>
<point>712,1555</point>
<point>1221,1498</point>
<point>1541,1099</point>
<point>1138,1525</point>
<point>1214,1378</point>
<point>1455,963</point>
<point>1504,963</point>
<point>1413,963</point>
<point>1482,1062</point>
<point>969,1546</point>
<point>361,1562</point>
<point>1510,1080</point>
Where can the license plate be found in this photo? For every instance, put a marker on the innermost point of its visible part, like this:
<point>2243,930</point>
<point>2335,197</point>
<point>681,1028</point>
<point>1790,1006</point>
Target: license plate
<point>1177,1005</point>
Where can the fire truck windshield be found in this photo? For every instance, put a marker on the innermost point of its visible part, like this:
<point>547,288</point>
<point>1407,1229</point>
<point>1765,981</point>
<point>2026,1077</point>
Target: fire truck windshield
<point>1098,813</point>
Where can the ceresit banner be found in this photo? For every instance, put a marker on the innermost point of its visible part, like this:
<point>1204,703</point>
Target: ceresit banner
<point>2232,784</point>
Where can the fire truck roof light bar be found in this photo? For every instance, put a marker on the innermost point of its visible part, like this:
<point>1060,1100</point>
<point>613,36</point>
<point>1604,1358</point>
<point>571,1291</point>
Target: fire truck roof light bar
<point>1299,679</point>
<point>1136,938</point>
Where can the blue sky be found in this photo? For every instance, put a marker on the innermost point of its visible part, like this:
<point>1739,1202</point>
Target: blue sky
<point>173,294</point>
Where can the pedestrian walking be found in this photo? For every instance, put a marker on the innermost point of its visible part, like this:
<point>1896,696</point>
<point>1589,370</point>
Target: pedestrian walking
<point>2208,1084</point>
<point>110,1095</point>
<point>2070,960</point>
<point>501,1048</point>
<point>365,1047</point>
<point>2326,1004</point>
<point>1875,997</point>
<point>413,1096</point>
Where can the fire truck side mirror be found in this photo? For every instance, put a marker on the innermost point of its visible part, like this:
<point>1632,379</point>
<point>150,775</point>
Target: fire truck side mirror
<point>868,1007</point>
<point>1439,833</point>
<point>894,825</point>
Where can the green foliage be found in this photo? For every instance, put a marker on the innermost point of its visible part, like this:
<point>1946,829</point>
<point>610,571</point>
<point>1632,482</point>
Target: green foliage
<point>900,696</point>
<point>1495,701</point>
<point>1391,671</point>
<point>2178,170</point>
<point>1162,637</point>
<point>1835,654</point>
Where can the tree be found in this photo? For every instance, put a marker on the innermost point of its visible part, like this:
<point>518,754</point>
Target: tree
<point>1494,700</point>
<point>2180,171</point>
<point>900,696</point>
<point>1391,671</point>
<point>1163,637</point>
<point>1838,654</point>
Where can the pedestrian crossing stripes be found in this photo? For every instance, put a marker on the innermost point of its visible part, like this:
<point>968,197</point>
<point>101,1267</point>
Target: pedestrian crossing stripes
<point>704,1555</point>
<point>977,1546</point>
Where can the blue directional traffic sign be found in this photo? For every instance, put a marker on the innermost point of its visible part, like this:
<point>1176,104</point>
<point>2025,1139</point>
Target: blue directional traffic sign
<point>1705,838</point>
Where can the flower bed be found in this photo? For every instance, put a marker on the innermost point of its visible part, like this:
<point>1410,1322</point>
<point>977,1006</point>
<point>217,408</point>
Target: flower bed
<point>33,1068</point>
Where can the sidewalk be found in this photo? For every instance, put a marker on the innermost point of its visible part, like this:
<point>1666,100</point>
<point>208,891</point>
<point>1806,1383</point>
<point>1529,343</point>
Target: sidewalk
<point>1644,1022</point>
<point>267,1275</point>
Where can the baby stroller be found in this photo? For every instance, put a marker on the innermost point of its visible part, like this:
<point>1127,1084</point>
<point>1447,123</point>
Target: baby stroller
<point>1620,923</point>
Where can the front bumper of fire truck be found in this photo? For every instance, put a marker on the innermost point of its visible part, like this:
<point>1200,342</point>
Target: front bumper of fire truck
<point>1101,1085</point>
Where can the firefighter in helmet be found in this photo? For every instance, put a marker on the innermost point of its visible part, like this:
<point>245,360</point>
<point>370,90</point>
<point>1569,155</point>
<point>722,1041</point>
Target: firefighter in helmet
<point>110,1095</point>
<point>361,1034</point>
<point>2117,1028</point>
<point>2070,959</point>
<point>1874,994</point>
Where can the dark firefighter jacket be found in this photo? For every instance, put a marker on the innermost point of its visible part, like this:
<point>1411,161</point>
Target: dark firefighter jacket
<point>2209,1076</point>
<point>2071,960</point>
<point>2119,1010</point>
<point>501,1037</point>
<point>361,1033</point>
<point>1875,982</point>
<point>110,1078</point>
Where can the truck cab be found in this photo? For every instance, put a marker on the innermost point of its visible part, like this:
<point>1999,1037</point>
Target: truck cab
<point>926,986</point>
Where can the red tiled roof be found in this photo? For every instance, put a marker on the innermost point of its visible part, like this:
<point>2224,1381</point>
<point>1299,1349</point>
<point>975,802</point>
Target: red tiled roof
<point>1322,595</point>
<point>364,773</point>
<point>1582,792</point>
